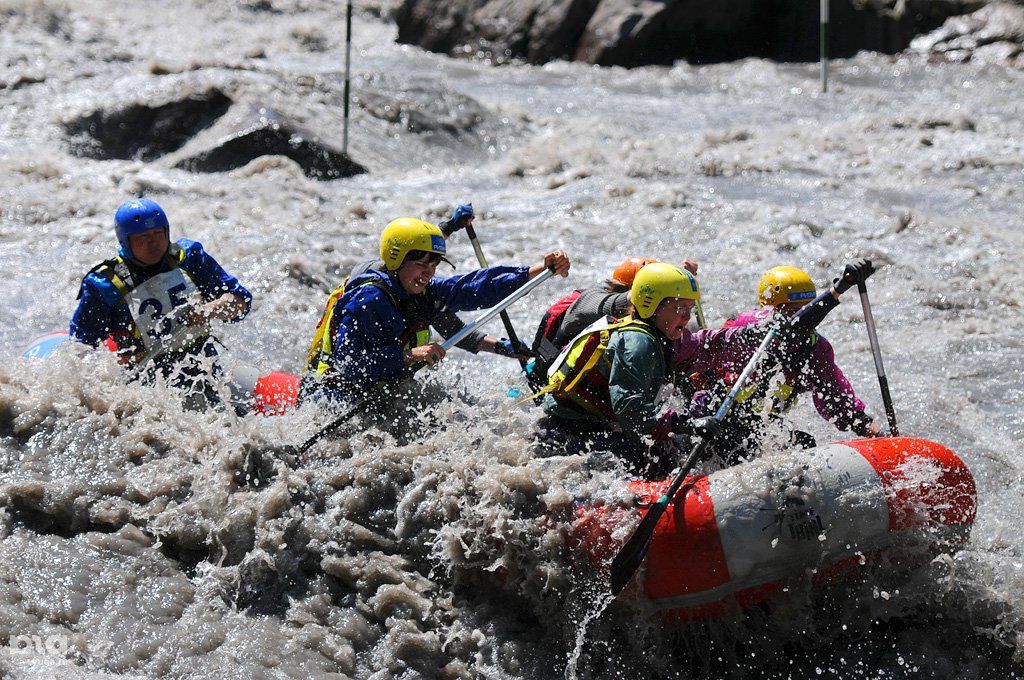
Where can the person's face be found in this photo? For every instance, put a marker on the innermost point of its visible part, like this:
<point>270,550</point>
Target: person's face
<point>672,316</point>
<point>788,309</point>
<point>149,247</point>
<point>414,275</point>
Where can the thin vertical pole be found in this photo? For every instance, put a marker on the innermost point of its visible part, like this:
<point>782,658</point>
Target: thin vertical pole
<point>348,71</point>
<point>823,43</point>
<point>883,382</point>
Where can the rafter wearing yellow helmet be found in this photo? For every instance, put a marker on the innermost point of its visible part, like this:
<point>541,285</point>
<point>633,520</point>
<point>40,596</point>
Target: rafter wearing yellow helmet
<point>604,389</point>
<point>409,235</point>
<point>804,363</point>
<point>378,322</point>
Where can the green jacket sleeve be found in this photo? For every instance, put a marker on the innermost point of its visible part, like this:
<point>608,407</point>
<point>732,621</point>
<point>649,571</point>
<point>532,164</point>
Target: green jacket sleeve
<point>634,379</point>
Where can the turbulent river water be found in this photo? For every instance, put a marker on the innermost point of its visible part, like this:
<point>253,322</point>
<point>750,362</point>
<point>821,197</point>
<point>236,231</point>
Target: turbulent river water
<point>142,540</point>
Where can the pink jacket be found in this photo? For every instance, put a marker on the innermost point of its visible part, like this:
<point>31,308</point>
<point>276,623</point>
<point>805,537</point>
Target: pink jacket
<point>720,351</point>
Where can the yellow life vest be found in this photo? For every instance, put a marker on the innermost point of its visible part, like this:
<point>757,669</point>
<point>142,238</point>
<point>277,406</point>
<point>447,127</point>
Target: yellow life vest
<point>574,377</point>
<point>321,350</point>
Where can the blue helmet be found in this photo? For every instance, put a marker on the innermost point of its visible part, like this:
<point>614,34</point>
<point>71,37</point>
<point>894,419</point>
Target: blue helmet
<point>136,216</point>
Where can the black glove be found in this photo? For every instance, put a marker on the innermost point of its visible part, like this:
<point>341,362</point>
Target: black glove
<point>853,274</point>
<point>460,218</point>
<point>507,348</point>
<point>862,428</point>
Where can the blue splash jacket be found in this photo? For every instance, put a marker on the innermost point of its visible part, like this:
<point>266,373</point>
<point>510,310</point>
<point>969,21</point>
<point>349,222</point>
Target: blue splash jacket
<point>368,340</point>
<point>102,310</point>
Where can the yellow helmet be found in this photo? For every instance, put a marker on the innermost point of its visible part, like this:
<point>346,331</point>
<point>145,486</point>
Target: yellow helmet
<point>780,285</point>
<point>405,235</point>
<point>659,281</point>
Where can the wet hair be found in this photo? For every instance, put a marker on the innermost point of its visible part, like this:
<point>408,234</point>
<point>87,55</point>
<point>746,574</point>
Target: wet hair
<point>613,286</point>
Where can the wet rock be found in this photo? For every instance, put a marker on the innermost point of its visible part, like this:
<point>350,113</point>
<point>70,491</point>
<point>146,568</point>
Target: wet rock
<point>144,131</point>
<point>425,110</point>
<point>993,34</point>
<point>638,32</point>
<point>538,30</point>
<point>268,135</point>
<point>259,6</point>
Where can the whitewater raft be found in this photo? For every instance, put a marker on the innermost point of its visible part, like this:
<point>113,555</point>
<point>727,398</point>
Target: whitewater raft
<point>737,536</point>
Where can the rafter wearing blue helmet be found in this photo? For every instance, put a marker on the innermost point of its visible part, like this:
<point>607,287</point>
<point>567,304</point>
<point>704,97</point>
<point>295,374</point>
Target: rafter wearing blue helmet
<point>155,299</point>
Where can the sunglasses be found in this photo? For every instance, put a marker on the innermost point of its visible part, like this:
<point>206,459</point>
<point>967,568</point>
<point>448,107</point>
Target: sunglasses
<point>424,256</point>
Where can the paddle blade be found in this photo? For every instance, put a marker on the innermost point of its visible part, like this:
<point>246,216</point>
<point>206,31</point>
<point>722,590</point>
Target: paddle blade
<point>632,554</point>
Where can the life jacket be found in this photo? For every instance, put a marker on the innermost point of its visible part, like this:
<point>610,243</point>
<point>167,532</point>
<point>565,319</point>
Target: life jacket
<point>551,322</point>
<point>574,377</point>
<point>321,350</point>
<point>782,395</point>
<point>150,303</point>
<point>793,362</point>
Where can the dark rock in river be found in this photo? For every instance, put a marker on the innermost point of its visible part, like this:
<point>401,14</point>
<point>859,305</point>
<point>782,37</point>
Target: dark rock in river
<point>638,32</point>
<point>538,30</point>
<point>145,132</point>
<point>270,135</point>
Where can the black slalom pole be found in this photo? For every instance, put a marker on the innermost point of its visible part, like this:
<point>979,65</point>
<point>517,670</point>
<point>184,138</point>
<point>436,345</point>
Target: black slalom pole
<point>348,72</point>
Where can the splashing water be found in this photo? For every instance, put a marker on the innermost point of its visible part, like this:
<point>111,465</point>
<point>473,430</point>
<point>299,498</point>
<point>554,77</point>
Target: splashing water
<point>143,540</point>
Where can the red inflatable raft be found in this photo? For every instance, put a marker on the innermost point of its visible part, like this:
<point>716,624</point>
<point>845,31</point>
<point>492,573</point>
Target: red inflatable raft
<point>737,535</point>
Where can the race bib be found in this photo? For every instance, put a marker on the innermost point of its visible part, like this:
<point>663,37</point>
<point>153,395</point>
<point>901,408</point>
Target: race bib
<point>152,305</point>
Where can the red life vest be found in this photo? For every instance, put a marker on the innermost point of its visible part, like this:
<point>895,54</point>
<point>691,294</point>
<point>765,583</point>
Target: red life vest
<point>551,322</point>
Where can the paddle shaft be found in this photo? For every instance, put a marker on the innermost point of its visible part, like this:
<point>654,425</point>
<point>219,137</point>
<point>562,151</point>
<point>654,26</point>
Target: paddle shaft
<point>701,323</point>
<point>361,405</point>
<point>498,308</point>
<point>504,315</point>
<point>883,382</point>
<point>632,554</point>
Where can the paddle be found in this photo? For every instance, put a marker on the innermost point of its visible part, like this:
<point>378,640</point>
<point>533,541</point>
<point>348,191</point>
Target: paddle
<point>701,323</point>
<point>883,382</point>
<point>483,263</point>
<point>632,553</point>
<point>628,559</point>
<point>363,403</point>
